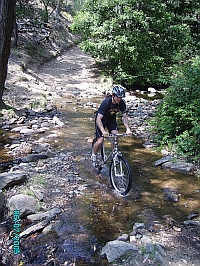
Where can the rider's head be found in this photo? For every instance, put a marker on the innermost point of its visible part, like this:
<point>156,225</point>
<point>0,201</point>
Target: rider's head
<point>118,91</point>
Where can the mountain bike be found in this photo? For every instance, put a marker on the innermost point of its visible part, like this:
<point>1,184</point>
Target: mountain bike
<point>119,169</point>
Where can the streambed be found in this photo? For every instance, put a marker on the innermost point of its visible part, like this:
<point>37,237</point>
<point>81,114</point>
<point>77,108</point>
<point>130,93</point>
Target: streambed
<point>97,214</point>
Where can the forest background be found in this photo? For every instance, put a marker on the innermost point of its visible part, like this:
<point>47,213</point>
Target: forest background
<point>138,43</point>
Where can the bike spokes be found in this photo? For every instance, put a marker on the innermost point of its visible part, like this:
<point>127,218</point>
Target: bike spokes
<point>120,175</point>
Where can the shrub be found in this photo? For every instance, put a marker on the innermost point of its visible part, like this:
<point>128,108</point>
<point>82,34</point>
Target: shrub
<point>177,118</point>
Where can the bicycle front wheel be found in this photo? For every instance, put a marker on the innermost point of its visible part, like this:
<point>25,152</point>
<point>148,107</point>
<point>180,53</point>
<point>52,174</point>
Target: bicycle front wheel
<point>120,175</point>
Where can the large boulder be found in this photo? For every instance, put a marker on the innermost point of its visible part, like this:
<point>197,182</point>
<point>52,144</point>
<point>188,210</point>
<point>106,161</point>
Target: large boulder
<point>24,203</point>
<point>186,168</point>
<point>115,249</point>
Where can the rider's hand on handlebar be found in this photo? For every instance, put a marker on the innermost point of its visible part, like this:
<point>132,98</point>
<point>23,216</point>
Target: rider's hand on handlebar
<point>105,134</point>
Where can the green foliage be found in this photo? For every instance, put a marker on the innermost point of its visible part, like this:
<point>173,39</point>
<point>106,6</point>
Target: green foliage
<point>139,40</point>
<point>177,120</point>
<point>28,9</point>
<point>149,42</point>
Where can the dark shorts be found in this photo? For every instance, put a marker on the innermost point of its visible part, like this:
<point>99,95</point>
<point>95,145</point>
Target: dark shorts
<point>112,125</point>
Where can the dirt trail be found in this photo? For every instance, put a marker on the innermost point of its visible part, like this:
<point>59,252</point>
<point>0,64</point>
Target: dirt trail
<point>72,73</point>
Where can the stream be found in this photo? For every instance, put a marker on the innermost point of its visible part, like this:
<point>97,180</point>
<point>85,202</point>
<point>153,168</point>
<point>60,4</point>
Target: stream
<point>109,212</point>
<point>101,214</point>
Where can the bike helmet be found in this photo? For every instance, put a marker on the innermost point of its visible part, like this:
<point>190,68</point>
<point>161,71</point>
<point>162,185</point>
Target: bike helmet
<point>119,91</point>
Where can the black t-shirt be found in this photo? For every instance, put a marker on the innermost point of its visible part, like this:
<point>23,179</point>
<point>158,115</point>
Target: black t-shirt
<point>109,110</point>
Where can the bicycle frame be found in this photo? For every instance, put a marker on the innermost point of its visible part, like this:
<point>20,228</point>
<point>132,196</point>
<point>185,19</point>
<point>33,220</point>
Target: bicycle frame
<point>113,138</point>
<point>119,169</point>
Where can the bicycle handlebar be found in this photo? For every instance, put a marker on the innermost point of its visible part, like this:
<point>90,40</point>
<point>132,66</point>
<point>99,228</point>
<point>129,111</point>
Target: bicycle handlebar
<point>117,135</point>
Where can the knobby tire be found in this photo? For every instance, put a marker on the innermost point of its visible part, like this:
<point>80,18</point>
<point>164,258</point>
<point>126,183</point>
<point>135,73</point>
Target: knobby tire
<point>123,182</point>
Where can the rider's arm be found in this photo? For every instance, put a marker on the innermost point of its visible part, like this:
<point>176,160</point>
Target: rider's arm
<point>126,124</point>
<point>100,125</point>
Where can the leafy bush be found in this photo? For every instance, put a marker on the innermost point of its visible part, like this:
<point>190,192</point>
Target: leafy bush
<point>177,119</point>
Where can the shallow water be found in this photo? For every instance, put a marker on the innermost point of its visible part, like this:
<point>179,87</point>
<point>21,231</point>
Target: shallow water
<point>102,214</point>
<point>105,213</point>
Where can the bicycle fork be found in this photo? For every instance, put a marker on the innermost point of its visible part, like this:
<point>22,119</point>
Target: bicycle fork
<point>118,170</point>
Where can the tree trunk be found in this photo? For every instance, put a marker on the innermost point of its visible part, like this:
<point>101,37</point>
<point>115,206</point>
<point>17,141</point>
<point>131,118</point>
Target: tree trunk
<point>7,14</point>
<point>15,29</point>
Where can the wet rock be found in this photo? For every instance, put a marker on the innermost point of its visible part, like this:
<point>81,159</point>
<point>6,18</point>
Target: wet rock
<point>42,215</point>
<point>41,147</point>
<point>138,226</point>
<point>145,247</point>
<point>163,160</point>
<point>48,229</point>
<point>115,249</point>
<point>192,222</point>
<point>123,237</point>
<point>12,178</point>
<point>26,131</point>
<point>57,121</point>
<point>20,128</point>
<point>5,126</point>
<point>192,215</point>
<point>34,157</point>
<point>24,203</point>
<point>34,228</point>
<point>159,259</point>
<point>171,195</point>
<point>149,145</point>
<point>145,239</point>
<point>180,167</point>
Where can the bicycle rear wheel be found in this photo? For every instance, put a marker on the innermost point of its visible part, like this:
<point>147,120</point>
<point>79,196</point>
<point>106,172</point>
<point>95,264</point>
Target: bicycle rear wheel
<point>120,175</point>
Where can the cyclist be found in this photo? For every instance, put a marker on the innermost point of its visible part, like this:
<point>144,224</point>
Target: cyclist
<point>106,118</point>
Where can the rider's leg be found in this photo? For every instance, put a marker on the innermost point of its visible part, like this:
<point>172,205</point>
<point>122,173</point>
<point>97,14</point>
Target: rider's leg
<point>95,149</point>
<point>97,145</point>
<point>99,141</point>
